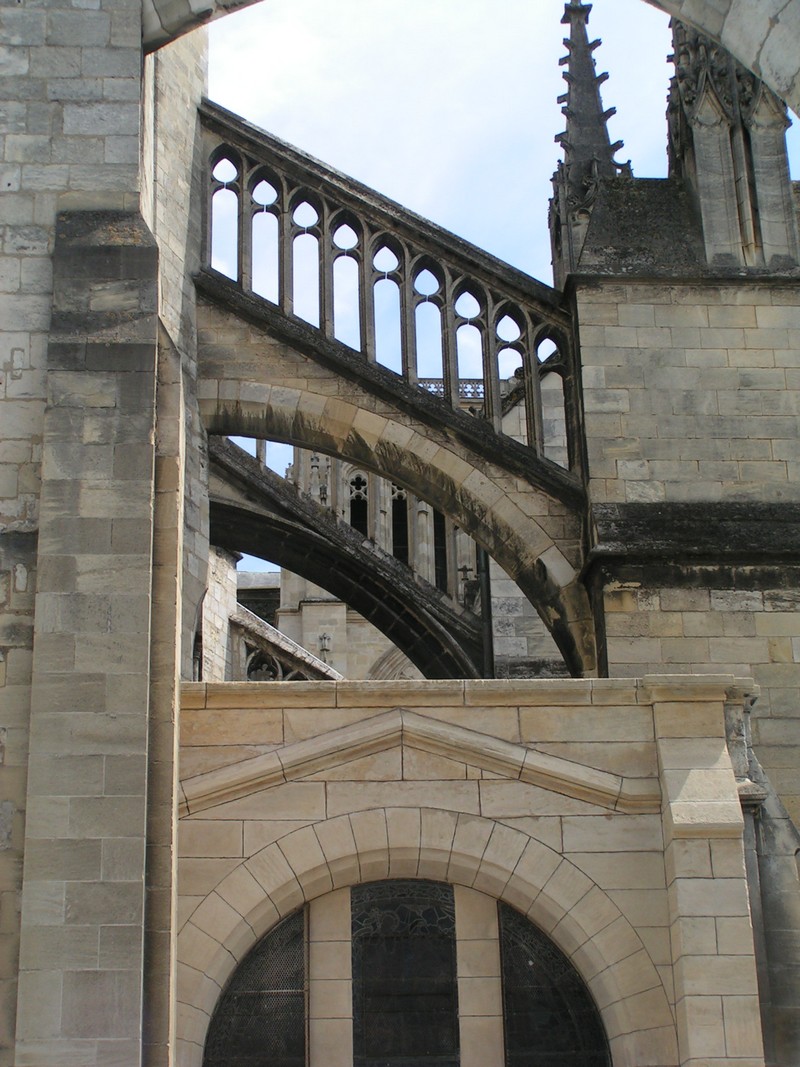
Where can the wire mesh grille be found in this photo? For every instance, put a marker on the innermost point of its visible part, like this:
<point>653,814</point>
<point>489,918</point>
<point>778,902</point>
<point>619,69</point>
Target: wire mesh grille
<point>550,1017</point>
<point>260,1018</point>
<point>405,1002</point>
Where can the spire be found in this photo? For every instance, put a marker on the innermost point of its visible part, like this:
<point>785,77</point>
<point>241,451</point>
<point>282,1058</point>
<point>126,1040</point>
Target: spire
<point>588,151</point>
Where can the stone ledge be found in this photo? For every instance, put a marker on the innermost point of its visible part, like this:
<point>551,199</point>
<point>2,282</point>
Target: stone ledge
<point>524,693</point>
<point>678,532</point>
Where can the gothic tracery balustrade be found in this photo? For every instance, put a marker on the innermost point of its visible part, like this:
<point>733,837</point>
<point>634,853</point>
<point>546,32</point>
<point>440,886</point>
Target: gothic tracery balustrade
<point>444,315</point>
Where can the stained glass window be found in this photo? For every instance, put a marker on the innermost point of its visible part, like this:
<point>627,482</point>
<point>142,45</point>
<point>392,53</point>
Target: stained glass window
<point>550,1017</point>
<point>259,1020</point>
<point>405,998</point>
<point>405,990</point>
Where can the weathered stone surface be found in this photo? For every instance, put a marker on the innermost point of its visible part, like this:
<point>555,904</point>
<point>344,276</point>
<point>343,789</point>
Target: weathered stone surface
<point>690,414</point>
<point>634,889</point>
<point>111,629</point>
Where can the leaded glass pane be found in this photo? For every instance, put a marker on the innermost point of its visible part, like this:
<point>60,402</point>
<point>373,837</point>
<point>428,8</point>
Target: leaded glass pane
<point>551,1019</point>
<point>259,1020</point>
<point>405,999</point>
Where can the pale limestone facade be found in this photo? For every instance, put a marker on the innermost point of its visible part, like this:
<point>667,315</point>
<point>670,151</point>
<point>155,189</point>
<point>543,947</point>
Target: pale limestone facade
<point>633,861</point>
<point>103,563</point>
<point>713,414</point>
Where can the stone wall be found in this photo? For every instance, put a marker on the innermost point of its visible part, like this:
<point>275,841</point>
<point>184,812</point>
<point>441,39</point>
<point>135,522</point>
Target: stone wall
<point>173,176</point>
<point>606,811</point>
<point>691,391</point>
<point>522,645</point>
<point>70,107</point>
<point>17,587</point>
<point>703,630</point>
<point>692,396</point>
<point>72,117</point>
<point>219,604</point>
<point>82,920</point>
<point>708,415</point>
<point>356,647</point>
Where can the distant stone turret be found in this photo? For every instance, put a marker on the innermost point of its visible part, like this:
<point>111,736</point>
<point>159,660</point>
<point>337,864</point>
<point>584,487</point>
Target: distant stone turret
<point>588,151</point>
<point>727,143</point>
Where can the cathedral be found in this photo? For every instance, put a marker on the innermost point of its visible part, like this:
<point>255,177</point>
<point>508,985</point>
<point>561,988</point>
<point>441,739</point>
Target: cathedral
<point>502,770</point>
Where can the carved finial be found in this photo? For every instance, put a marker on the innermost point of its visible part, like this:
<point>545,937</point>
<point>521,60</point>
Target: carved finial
<point>588,151</point>
<point>574,11</point>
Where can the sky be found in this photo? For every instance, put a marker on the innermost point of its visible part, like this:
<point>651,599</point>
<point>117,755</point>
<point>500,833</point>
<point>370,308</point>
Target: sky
<point>448,107</point>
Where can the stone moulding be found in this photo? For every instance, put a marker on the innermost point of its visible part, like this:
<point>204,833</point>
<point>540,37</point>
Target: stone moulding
<point>464,850</point>
<point>483,692</point>
<point>402,727</point>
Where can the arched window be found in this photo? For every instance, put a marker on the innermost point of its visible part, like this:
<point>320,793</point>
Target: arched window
<point>549,1015</point>
<point>260,1018</point>
<point>400,546</point>
<point>440,550</point>
<point>405,1001</point>
<point>359,504</point>
<point>409,944</point>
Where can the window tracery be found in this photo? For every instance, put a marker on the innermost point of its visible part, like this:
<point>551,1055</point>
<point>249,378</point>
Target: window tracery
<point>405,1001</point>
<point>389,286</point>
<point>359,503</point>
<point>405,990</point>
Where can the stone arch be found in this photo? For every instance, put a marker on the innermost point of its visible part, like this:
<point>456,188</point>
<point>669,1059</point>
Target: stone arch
<point>393,663</point>
<point>507,518</point>
<point>441,845</point>
<point>432,635</point>
<point>764,39</point>
<point>253,510</point>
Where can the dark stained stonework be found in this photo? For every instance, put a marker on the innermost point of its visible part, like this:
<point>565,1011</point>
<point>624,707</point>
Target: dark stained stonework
<point>723,533</point>
<point>266,516</point>
<point>645,226</point>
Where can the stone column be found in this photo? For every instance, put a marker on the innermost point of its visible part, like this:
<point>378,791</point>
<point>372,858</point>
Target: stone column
<point>161,860</point>
<point>81,963</point>
<point>776,213</point>
<point>480,993</point>
<point>716,992</point>
<point>716,185</point>
<point>69,97</point>
<point>423,560</point>
<point>330,985</point>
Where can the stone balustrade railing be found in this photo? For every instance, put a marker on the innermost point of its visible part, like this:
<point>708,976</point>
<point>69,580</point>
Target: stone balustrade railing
<point>405,293</point>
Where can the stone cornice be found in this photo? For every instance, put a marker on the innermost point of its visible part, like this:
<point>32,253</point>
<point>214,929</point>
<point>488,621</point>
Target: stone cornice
<point>466,693</point>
